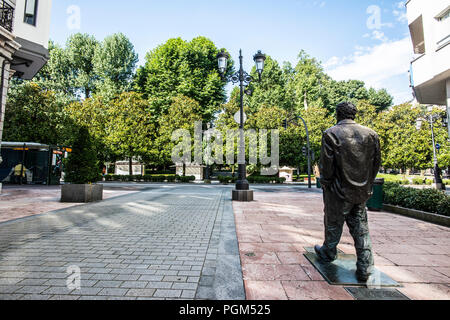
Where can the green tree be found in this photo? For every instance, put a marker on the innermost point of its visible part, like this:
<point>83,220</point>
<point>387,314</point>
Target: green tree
<point>181,67</point>
<point>129,129</point>
<point>271,90</point>
<point>82,166</point>
<point>57,74</point>
<point>92,114</point>
<point>80,50</point>
<point>367,115</point>
<point>34,114</point>
<point>307,83</point>
<point>403,146</point>
<point>182,114</point>
<point>115,62</point>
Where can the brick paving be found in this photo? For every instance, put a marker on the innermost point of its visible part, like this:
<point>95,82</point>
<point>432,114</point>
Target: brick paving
<point>274,230</point>
<point>180,242</point>
<point>24,201</point>
<point>153,244</point>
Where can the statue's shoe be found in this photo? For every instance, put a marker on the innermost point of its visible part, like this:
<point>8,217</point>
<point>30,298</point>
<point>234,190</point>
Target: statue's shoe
<point>363,276</point>
<point>323,256</point>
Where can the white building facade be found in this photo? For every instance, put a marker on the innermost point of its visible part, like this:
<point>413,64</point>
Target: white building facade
<point>429,24</point>
<point>24,35</point>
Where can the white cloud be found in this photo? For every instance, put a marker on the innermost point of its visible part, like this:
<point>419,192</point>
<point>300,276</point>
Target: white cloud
<point>400,12</point>
<point>376,66</point>
<point>379,35</point>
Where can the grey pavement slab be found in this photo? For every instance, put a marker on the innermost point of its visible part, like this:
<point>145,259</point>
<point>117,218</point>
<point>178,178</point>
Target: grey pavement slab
<point>156,243</point>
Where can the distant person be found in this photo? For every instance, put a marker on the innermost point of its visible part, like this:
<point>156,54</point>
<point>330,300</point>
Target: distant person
<point>19,173</point>
<point>350,161</point>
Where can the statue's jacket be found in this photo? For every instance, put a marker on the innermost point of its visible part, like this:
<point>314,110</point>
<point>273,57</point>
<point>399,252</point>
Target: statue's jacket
<point>350,161</point>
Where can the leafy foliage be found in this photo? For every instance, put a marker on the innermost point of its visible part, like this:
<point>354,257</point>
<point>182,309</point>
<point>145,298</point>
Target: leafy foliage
<point>179,67</point>
<point>36,115</point>
<point>429,200</point>
<point>182,114</point>
<point>82,166</point>
<point>115,62</point>
<point>129,130</point>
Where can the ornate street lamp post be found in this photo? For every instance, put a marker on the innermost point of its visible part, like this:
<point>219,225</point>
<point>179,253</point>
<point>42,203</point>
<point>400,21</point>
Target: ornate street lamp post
<point>242,192</point>
<point>437,171</point>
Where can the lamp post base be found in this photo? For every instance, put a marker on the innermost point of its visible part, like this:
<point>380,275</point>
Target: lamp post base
<point>243,195</point>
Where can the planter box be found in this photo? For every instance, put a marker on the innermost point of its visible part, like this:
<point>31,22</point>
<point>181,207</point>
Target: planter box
<point>420,215</point>
<point>81,193</point>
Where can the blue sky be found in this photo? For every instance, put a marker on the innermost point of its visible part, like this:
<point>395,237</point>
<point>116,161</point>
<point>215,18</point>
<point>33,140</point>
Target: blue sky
<point>357,39</point>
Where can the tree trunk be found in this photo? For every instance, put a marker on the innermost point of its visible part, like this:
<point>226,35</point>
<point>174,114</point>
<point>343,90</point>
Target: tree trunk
<point>131,166</point>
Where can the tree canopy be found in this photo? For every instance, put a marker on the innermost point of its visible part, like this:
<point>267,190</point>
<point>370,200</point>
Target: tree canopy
<point>182,67</point>
<point>132,113</point>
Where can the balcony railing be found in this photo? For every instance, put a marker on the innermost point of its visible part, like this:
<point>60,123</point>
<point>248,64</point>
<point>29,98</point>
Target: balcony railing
<point>6,15</point>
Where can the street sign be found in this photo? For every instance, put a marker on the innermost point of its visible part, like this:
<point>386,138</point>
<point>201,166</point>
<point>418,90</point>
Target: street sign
<point>438,146</point>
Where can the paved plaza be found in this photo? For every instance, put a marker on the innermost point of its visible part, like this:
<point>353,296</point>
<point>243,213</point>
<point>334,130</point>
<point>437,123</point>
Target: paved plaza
<point>274,230</point>
<point>191,242</point>
<point>160,243</point>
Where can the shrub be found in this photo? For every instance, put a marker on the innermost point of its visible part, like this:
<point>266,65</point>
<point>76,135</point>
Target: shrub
<point>150,172</point>
<point>81,166</point>
<point>109,177</point>
<point>266,179</point>
<point>186,179</point>
<point>418,181</point>
<point>171,178</point>
<point>429,200</point>
<point>447,182</point>
<point>225,179</point>
<point>444,207</point>
<point>158,178</point>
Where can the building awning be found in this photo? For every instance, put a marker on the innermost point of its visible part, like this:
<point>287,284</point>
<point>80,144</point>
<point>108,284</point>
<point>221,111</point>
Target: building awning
<point>29,59</point>
<point>28,145</point>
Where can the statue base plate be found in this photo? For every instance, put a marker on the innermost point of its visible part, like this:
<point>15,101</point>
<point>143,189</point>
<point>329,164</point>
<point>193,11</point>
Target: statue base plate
<point>243,195</point>
<point>376,294</point>
<point>343,271</point>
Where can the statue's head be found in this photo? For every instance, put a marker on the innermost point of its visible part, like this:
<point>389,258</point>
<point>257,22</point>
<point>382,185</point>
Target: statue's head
<point>346,111</point>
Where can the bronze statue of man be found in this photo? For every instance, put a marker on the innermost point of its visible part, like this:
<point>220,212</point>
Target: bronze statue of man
<point>350,161</point>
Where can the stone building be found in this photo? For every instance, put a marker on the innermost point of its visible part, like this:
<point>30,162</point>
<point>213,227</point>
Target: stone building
<point>24,35</point>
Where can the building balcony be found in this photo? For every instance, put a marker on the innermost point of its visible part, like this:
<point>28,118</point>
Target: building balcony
<point>430,72</point>
<point>6,15</point>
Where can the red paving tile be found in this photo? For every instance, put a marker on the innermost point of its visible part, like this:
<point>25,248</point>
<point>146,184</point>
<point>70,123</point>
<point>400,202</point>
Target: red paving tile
<point>281,225</point>
<point>314,290</point>
<point>259,258</point>
<point>264,290</point>
<point>420,291</point>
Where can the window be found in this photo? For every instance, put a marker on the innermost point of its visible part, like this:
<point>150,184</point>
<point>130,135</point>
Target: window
<point>31,11</point>
<point>443,15</point>
<point>417,35</point>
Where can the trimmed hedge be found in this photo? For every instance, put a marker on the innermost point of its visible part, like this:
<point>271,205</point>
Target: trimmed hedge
<point>185,179</point>
<point>149,178</point>
<point>253,179</point>
<point>428,200</point>
<point>226,179</point>
<point>266,179</point>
